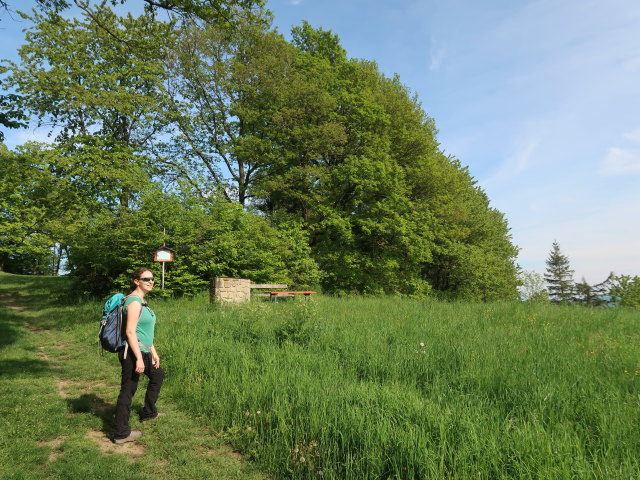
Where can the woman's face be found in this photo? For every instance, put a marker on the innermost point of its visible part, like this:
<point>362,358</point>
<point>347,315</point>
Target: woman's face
<point>145,282</point>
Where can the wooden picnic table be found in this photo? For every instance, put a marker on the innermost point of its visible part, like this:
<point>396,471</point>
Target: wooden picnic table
<point>273,296</point>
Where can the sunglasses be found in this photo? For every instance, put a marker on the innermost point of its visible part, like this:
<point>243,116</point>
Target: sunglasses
<point>146,279</point>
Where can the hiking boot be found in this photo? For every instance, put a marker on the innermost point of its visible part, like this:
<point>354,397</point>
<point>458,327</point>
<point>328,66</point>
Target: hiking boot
<point>144,419</point>
<point>133,436</point>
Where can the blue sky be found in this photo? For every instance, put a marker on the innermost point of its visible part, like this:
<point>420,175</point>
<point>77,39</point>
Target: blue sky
<point>539,98</point>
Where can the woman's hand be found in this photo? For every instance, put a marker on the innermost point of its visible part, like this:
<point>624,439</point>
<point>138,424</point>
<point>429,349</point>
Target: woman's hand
<point>155,360</point>
<point>139,365</point>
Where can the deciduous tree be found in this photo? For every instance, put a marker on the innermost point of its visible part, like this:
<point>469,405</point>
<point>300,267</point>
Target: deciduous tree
<point>225,87</point>
<point>39,207</point>
<point>98,93</point>
<point>329,150</point>
<point>532,286</point>
<point>625,291</point>
<point>208,10</point>
<point>387,211</point>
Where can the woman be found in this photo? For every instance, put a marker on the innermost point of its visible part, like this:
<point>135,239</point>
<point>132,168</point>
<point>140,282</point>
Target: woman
<point>141,357</point>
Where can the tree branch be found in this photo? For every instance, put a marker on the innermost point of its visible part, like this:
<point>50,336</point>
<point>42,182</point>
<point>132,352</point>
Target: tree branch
<point>197,11</point>
<point>85,7</point>
<point>205,160</point>
<point>185,175</point>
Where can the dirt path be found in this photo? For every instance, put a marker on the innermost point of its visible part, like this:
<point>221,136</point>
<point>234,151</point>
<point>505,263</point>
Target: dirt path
<point>9,301</point>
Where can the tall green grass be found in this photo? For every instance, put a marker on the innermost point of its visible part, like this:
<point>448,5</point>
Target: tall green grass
<point>365,388</point>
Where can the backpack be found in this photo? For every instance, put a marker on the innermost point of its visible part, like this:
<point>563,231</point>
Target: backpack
<point>112,327</point>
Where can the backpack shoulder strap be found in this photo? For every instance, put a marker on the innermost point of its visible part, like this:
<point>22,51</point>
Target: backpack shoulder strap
<point>124,300</point>
<point>134,298</point>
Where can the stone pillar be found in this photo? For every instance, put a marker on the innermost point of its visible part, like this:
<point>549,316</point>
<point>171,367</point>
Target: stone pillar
<point>230,290</point>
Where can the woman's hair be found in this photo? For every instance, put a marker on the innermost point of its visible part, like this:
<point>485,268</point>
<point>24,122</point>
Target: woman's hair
<point>135,275</point>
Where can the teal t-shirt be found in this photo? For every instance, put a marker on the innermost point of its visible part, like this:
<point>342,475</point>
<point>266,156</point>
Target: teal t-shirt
<point>146,324</point>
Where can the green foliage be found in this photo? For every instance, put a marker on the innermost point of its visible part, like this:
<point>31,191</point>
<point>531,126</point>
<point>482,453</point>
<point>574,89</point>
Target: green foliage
<point>99,90</point>
<point>210,239</point>
<point>76,75</point>
<point>38,206</point>
<point>339,165</point>
<point>11,116</point>
<point>219,11</point>
<point>304,133</point>
<point>318,42</point>
<point>387,212</point>
<point>625,291</point>
<point>226,91</point>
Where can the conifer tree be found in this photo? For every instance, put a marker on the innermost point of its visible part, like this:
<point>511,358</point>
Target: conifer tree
<point>593,295</point>
<point>559,276</point>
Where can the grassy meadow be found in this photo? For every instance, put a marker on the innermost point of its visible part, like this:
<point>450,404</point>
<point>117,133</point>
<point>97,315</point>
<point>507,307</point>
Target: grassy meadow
<point>377,388</point>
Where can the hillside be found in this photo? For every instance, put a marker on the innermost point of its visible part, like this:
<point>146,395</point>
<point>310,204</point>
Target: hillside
<point>341,388</point>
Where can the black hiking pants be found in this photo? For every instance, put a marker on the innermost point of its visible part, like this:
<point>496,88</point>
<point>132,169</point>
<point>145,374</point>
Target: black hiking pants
<point>128,387</point>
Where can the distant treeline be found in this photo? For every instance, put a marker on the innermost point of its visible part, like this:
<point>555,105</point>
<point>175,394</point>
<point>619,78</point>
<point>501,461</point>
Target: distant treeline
<point>558,286</point>
<point>250,155</point>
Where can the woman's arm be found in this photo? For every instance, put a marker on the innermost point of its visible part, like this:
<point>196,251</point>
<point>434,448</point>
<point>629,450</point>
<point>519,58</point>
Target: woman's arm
<point>154,356</point>
<point>133,314</point>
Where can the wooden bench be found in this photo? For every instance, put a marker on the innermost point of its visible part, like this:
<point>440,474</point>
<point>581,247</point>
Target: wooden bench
<point>266,286</point>
<point>273,296</point>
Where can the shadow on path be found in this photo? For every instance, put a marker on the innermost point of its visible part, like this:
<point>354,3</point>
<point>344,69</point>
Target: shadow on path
<point>20,368</point>
<point>91,403</point>
<point>9,328</point>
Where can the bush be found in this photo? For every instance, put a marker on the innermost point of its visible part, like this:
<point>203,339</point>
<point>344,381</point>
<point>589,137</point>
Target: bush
<point>626,291</point>
<point>210,239</point>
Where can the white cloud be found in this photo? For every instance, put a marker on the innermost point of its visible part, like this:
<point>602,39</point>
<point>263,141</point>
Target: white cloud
<point>620,161</point>
<point>295,3</point>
